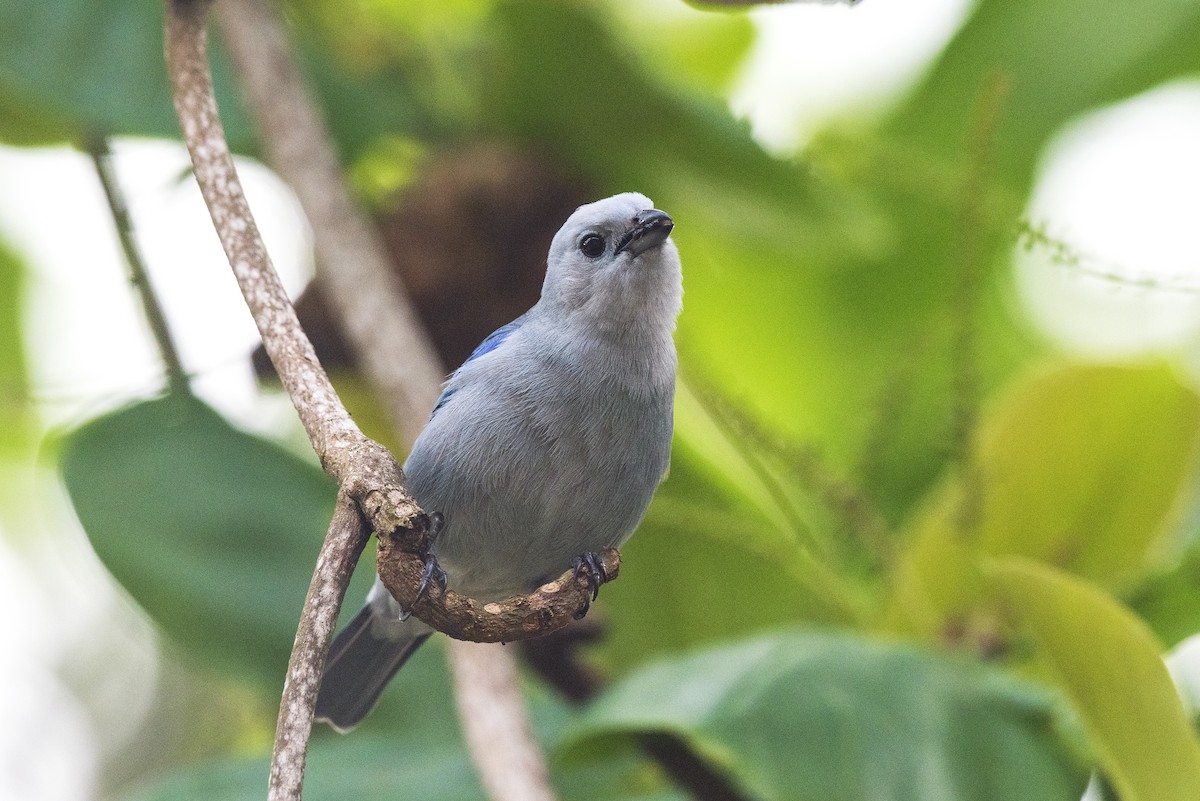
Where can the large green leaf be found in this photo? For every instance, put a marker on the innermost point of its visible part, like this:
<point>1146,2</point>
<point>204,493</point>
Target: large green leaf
<point>1109,664</point>
<point>399,765</point>
<point>1060,57</point>
<point>68,69</point>
<point>212,531</point>
<point>1082,467</point>
<point>411,747</point>
<point>796,715</point>
<point>1085,467</point>
<point>358,767</point>
<point>76,67</point>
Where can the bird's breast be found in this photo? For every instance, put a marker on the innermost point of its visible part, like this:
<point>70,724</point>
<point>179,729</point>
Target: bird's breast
<point>532,468</point>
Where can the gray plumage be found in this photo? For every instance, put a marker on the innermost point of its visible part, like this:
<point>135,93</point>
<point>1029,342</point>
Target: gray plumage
<point>547,443</point>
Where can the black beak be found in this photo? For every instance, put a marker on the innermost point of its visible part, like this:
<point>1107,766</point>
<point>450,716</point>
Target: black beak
<point>649,228</point>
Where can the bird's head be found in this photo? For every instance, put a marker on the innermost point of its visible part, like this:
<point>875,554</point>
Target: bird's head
<point>613,265</point>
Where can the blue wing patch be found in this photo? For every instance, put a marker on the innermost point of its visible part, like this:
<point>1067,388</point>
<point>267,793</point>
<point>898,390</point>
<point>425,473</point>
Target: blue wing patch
<point>493,341</point>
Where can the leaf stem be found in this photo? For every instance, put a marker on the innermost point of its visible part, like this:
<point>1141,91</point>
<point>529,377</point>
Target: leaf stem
<point>97,147</point>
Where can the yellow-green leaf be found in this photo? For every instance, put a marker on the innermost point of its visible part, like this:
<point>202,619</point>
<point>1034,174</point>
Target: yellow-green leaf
<point>1110,666</point>
<point>1083,467</point>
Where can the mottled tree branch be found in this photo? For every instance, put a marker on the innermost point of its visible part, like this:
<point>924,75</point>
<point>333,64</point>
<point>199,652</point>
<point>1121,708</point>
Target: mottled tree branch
<point>546,609</point>
<point>339,554</point>
<point>370,479</point>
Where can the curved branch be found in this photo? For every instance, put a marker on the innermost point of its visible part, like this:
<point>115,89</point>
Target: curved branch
<point>546,609</point>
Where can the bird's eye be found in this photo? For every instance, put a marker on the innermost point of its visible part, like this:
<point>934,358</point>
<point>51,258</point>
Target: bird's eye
<point>591,245</point>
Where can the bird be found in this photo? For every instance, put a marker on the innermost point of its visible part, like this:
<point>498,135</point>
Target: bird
<point>545,446</point>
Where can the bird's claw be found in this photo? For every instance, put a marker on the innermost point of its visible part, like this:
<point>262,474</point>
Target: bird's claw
<point>596,575</point>
<point>433,572</point>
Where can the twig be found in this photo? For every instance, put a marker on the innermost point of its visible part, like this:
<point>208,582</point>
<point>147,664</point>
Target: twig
<point>352,264</point>
<point>177,380</point>
<point>368,475</point>
<point>848,503</point>
<point>548,608</point>
<point>347,536</point>
<point>508,758</point>
<point>893,398</point>
<point>970,272</point>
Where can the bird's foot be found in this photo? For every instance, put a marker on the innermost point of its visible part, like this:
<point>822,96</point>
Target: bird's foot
<point>589,563</point>
<point>433,571</point>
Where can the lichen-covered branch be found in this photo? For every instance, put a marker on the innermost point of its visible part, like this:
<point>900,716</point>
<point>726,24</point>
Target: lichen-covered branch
<point>546,609</point>
<point>347,535</point>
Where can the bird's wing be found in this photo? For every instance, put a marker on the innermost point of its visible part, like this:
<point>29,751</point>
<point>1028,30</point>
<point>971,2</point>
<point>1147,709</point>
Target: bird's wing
<point>493,341</point>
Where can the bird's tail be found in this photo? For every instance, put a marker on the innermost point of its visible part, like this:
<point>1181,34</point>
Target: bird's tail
<point>362,660</point>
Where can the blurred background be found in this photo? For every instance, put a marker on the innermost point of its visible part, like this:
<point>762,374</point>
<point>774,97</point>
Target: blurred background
<point>930,522</point>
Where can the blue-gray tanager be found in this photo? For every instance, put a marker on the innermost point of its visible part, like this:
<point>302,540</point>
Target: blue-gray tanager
<point>547,444</point>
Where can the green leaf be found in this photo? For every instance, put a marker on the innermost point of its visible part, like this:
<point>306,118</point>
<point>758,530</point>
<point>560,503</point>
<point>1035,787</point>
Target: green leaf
<point>1169,602</point>
<point>1109,665</point>
<point>212,531</point>
<point>1083,467</point>
<point>75,67</point>
<point>411,747</point>
<point>358,767</point>
<point>800,716</point>
<point>1060,57</point>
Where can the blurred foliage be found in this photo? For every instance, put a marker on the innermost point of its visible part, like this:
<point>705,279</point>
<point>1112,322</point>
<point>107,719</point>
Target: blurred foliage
<point>210,501</point>
<point>969,732</point>
<point>1129,706</point>
<point>869,438</point>
<point>12,354</point>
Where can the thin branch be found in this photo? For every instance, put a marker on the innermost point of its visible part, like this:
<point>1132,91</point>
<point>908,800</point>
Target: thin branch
<point>326,422</point>
<point>1033,235</point>
<point>509,759</point>
<point>548,608</point>
<point>97,147</point>
<point>348,534</point>
<point>972,220</point>
<point>352,263</point>
<point>367,473</point>
<point>850,505</point>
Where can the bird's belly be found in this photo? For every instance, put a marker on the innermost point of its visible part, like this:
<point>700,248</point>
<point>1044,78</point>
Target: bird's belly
<point>540,494</point>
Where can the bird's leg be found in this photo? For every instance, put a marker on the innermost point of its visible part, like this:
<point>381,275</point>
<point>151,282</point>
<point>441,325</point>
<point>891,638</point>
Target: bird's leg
<point>433,571</point>
<point>590,562</point>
